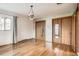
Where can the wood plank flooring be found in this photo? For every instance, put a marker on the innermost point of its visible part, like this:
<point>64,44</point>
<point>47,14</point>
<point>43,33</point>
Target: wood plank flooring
<point>38,48</point>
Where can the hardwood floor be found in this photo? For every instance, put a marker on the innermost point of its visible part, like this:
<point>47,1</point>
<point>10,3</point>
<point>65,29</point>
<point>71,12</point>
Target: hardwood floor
<point>32,48</point>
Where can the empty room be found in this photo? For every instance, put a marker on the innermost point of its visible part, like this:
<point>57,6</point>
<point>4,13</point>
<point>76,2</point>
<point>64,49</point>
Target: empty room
<point>39,29</point>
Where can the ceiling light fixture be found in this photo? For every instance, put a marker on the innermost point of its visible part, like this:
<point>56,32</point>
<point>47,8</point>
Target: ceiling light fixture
<point>31,13</point>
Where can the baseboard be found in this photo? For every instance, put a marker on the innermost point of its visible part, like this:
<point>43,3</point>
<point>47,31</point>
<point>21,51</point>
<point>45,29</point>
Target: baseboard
<point>17,42</point>
<point>5,44</point>
<point>25,40</point>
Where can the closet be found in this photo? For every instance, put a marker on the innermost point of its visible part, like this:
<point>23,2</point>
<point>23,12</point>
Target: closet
<point>62,30</point>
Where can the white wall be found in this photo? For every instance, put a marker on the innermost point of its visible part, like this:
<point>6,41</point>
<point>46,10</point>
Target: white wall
<point>48,32</point>
<point>6,37</point>
<point>25,29</point>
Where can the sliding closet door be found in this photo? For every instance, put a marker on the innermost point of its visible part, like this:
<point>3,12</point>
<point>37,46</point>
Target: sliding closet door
<point>66,30</point>
<point>56,30</point>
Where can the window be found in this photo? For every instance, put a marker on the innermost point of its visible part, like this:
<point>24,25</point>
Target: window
<point>1,23</point>
<point>5,23</point>
<point>56,30</point>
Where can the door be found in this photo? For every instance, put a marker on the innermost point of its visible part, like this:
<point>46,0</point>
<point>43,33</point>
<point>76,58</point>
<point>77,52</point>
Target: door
<point>66,30</point>
<point>40,30</point>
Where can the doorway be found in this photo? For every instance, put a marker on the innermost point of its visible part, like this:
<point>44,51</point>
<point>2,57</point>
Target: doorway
<point>40,30</point>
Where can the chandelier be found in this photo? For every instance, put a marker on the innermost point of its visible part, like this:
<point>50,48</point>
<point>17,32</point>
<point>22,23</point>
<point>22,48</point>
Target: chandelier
<point>31,13</point>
